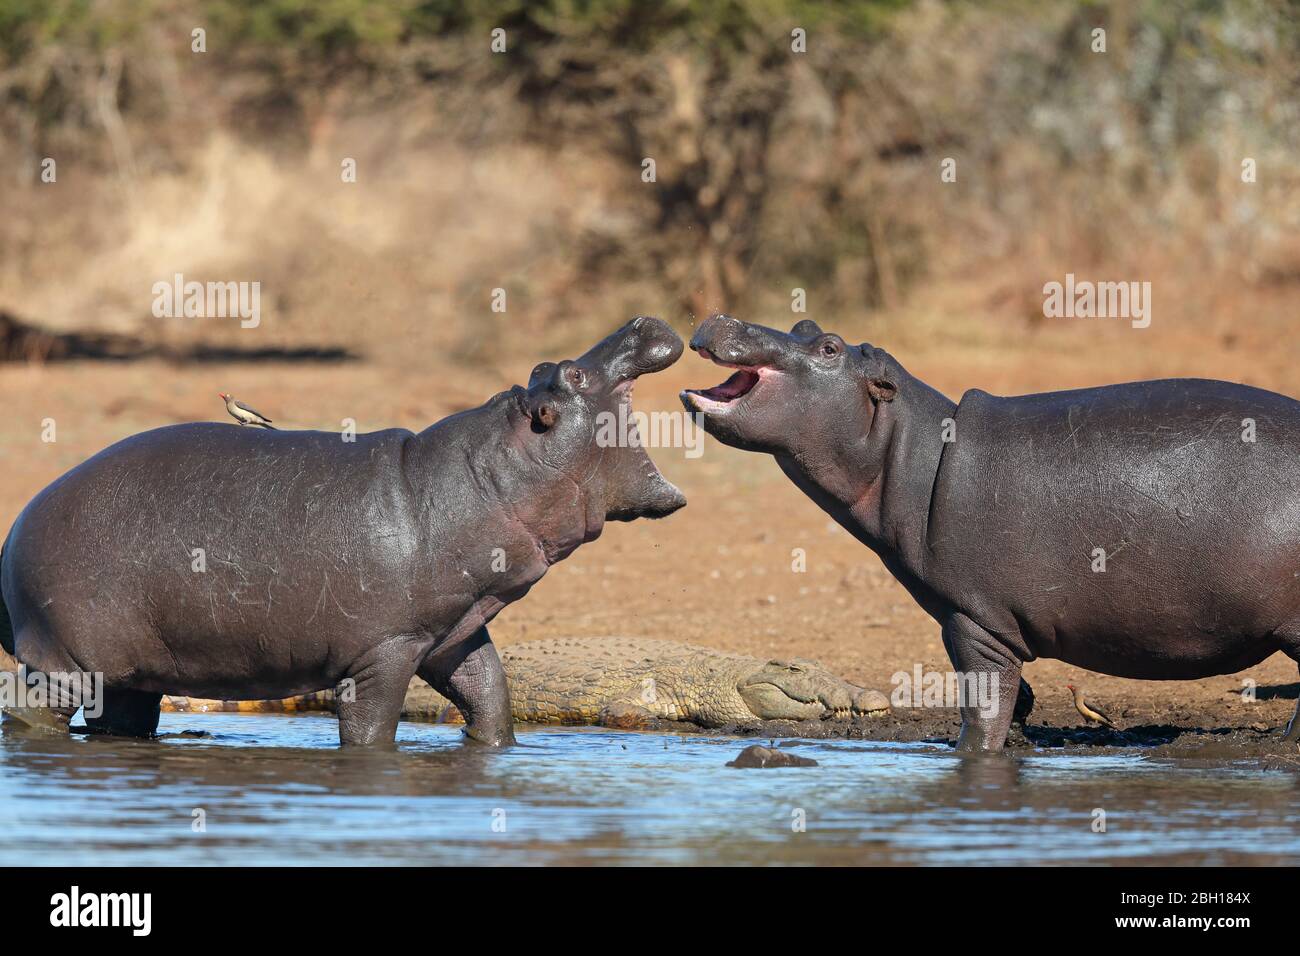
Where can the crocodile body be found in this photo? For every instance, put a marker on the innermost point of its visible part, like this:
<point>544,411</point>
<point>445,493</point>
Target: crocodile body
<point>624,681</point>
<point>321,700</point>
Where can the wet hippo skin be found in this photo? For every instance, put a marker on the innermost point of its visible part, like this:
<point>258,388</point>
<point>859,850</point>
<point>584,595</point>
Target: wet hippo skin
<point>329,563</point>
<point>996,513</point>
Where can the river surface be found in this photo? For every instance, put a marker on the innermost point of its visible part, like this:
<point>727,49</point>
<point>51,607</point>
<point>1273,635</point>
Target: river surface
<point>277,790</point>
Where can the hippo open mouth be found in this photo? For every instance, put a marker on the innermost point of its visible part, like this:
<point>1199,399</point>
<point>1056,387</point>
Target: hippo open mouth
<point>732,389</point>
<point>741,382</point>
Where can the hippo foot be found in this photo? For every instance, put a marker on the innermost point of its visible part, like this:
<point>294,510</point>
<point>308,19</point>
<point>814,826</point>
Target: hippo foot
<point>1016,737</point>
<point>489,737</point>
<point>1291,732</point>
<point>40,720</point>
<point>469,674</point>
<point>125,713</point>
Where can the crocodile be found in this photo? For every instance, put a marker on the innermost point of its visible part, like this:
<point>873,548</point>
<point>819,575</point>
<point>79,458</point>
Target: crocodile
<point>628,682</point>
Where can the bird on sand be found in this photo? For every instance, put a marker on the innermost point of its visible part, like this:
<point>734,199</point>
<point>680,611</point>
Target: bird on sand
<point>1090,713</point>
<point>243,414</point>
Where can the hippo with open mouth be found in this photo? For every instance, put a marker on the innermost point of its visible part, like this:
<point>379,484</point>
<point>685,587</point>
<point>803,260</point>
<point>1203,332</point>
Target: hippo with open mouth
<point>1147,530</point>
<point>210,560</point>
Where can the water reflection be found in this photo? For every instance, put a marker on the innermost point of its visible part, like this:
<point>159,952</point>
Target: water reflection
<point>274,789</point>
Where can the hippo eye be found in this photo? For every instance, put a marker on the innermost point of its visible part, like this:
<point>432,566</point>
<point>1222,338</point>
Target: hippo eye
<point>576,376</point>
<point>830,348</point>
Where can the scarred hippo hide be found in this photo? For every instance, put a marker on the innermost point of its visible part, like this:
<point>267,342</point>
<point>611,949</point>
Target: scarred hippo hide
<point>211,560</point>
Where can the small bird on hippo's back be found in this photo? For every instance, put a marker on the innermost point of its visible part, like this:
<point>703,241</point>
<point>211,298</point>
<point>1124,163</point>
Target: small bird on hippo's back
<point>243,414</point>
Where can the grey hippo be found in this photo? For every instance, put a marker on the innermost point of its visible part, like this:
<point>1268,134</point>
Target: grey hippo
<point>210,560</point>
<point>1144,530</point>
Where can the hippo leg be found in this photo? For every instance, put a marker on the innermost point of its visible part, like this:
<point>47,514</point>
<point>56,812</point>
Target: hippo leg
<point>52,718</point>
<point>370,706</point>
<point>1292,731</point>
<point>1291,647</point>
<point>974,650</point>
<point>127,713</point>
<point>1024,703</point>
<point>469,674</point>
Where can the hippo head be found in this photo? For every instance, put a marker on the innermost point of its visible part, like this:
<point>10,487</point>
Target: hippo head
<point>790,389</point>
<point>579,415</point>
<point>804,690</point>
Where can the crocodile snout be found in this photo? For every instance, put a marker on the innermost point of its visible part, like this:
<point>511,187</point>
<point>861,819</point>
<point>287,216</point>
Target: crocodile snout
<point>867,702</point>
<point>804,690</point>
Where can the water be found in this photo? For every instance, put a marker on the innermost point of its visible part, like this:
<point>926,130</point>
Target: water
<point>275,789</point>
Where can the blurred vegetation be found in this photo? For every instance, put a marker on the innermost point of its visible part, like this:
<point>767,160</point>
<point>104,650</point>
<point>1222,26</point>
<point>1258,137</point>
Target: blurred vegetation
<point>368,31</point>
<point>773,170</point>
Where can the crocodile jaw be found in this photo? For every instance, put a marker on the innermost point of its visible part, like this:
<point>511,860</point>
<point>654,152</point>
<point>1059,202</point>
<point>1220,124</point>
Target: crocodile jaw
<point>799,690</point>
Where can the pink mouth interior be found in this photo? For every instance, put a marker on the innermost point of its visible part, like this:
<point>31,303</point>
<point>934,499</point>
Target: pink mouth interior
<point>733,388</point>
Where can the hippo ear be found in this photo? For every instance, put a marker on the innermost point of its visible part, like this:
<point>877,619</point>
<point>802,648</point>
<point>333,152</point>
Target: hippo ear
<point>806,327</point>
<point>644,345</point>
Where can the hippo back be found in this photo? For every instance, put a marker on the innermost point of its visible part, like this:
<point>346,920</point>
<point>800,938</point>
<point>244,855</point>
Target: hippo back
<point>214,539</point>
<point>1199,526</point>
